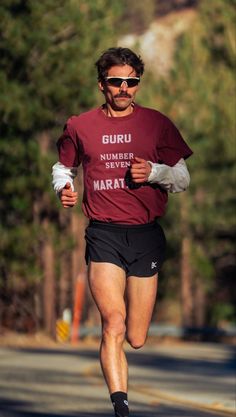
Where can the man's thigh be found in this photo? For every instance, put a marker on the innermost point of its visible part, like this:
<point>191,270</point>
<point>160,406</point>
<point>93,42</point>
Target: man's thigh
<point>107,284</point>
<point>140,299</point>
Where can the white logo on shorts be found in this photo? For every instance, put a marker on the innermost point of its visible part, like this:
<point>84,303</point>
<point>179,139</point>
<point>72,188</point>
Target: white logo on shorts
<point>126,402</point>
<point>153,265</point>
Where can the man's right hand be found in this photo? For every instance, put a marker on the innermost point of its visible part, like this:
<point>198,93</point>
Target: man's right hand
<point>68,197</point>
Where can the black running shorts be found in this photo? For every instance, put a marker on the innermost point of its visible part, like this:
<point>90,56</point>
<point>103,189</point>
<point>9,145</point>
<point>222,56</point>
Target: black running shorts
<point>138,249</point>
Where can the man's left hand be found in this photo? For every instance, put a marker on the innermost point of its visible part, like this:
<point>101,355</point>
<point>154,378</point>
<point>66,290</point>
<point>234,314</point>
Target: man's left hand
<point>140,170</point>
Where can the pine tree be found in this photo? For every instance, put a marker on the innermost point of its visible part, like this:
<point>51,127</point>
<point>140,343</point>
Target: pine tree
<point>199,96</point>
<point>47,73</point>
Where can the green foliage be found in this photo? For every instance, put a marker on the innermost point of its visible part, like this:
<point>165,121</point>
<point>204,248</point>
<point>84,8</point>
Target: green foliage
<point>223,312</point>
<point>47,73</point>
<point>199,96</point>
<point>46,51</point>
<point>204,86</point>
<point>202,265</point>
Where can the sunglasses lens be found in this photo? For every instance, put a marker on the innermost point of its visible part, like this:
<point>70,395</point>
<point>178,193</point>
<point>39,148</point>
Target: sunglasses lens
<point>116,82</point>
<point>132,82</point>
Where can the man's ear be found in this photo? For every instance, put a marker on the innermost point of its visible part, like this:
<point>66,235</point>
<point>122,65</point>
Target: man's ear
<point>101,88</point>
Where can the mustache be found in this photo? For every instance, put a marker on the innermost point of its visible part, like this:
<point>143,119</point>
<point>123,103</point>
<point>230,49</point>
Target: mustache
<point>120,95</point>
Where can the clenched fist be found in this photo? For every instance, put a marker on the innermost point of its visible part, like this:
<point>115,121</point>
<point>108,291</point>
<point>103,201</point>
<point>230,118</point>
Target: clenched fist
<point>140,170</point>
<point>68,197</point>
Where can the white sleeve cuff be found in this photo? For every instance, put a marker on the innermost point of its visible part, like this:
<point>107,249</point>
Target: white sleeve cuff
<point>173,179</point>
<point>61,175</point>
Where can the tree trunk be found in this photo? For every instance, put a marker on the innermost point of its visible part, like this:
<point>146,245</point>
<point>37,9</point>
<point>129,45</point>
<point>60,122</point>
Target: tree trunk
<point>78,225</point>
<point>186,284</point>
<point>42,214</point>
<point>77,254</point>
<point>79,269</point>
<point>199,304</point>
<point>186,267</point>
<point>65,285</point>
<point>49,299</point>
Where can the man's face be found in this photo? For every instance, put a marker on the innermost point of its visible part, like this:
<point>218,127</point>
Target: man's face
<point>119,98</point>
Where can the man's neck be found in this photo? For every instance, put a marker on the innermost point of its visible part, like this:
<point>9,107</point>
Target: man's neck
<point>110,112</point>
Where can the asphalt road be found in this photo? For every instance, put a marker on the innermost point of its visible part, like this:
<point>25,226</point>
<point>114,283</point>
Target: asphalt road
<point>186,380</point>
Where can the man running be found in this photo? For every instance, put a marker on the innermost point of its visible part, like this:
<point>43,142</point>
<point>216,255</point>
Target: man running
<point>132,157</point>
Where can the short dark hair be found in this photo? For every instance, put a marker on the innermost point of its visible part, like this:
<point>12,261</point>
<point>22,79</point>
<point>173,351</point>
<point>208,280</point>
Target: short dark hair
<point>118,56</point>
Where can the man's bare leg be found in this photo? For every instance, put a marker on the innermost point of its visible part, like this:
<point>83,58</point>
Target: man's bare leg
<point>141,297</point>
<point>107,283</point>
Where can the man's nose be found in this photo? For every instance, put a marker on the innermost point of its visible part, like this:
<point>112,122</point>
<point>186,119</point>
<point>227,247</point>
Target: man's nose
<point>124,86</point>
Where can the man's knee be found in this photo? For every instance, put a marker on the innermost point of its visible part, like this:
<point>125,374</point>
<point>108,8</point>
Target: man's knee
<point>136,341</point>
<point>114,326</point>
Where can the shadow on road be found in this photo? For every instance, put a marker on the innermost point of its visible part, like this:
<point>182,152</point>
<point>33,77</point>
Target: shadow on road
<point>156,359</point>
<point>22,409</point>
<point>159,362</point>
<point>22,379</point>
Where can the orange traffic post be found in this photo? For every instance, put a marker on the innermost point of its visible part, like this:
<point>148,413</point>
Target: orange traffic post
<point>78,307</point>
